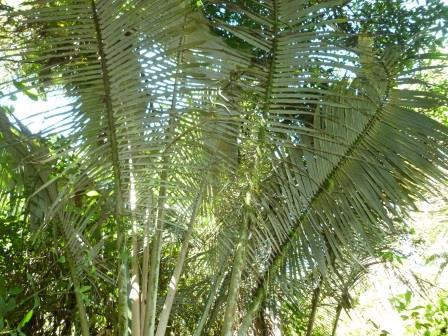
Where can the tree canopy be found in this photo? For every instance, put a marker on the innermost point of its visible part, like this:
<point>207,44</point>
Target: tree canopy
<point>219,167</point>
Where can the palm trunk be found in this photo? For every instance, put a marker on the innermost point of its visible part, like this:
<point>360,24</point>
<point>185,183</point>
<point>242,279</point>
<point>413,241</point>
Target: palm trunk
<point>134,294</point>
<point>211,299</point>
<point>260,325</point>
<point>153,279</point>
<point>83,320</point>
<point>156,246</point>
<point>237,270</point>
<point>165,314</point>
<point>253,309</point>
<point>123,296</point>
<point>144,290</point>
<point>336,320</point>
<point>135,286</point>
<point>220,301</point>
<point>314,305</point>
<point>145,269</point>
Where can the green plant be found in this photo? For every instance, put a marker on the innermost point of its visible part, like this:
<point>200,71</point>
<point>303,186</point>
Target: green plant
<point>215,170</point>
<point>427,319</point>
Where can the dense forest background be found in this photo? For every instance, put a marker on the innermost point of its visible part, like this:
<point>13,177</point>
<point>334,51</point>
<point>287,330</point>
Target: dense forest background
<point>219,167</point>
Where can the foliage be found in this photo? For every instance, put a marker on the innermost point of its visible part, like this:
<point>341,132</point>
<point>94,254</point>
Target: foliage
<point>440,113</point>
<point>398,22</point>
<point>428,319</point>
<point>217,166</point>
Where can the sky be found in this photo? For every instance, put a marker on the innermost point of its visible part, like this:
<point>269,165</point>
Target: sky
<point>36,115</point>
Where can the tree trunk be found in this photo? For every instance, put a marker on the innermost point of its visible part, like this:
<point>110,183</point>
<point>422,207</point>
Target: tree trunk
<point>172,287</point>
<point>237,270</point>
<point>314,305</point>
<point>211,299</point>
<point>336,319</point>
<point>156,246</point>
<point>79,301</point>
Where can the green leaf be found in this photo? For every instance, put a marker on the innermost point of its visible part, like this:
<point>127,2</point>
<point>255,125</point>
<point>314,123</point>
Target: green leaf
<point>26,318</point>
<point>29,92</point>
<point>92,193</point>
<point>407,297</point>
<point>19,85</point>
<point>84,289</point>
<point>15,291</point>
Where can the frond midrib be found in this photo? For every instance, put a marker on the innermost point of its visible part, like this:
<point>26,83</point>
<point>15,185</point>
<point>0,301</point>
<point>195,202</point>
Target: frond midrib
<point>278,257</point>
<point>109,110</point>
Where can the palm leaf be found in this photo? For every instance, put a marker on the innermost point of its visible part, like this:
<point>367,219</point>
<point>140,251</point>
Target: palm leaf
<point>282,129</point>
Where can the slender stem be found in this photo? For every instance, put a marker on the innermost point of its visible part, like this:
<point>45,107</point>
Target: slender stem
<point>260,326</point>
<point>273,52</point>
<point>220,300</point>
<point>145,267</point>
<point>135,285</point>
<point>237,270</point>
<point>336,319</point>
<point>110,114</point>
<point>314,305</point>
<point>156,246</point>
<point>211,299</point>
<point>172,288</point>
<point>123,296</point>
<point>255,305</point>
<point>79,301</point>
<point>254,308</point>
<point>156,250</point>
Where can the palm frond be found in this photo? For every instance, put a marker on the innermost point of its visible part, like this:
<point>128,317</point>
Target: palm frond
<point>303,150</point>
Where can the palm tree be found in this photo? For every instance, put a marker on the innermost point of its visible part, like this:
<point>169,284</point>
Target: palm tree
<point>222,172</point>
